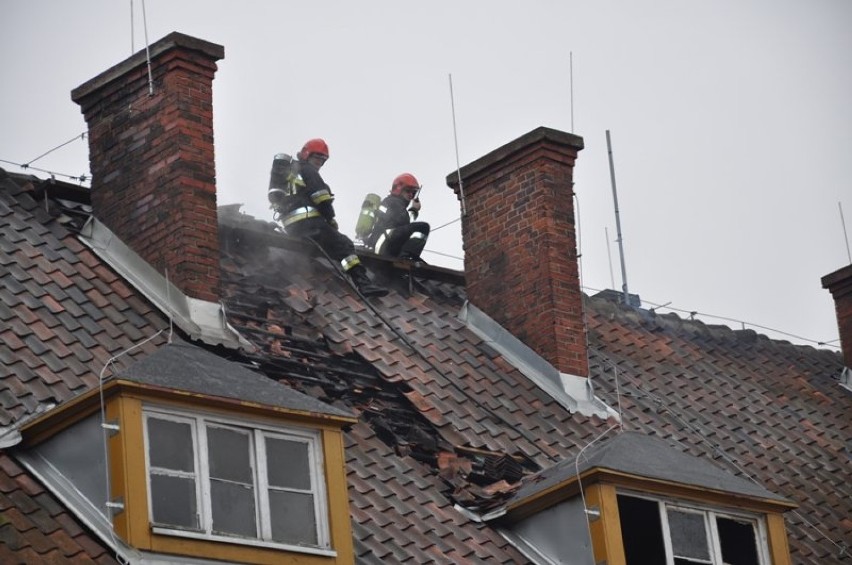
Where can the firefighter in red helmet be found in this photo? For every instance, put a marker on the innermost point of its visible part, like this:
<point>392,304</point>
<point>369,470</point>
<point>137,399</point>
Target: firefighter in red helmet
<point>303,205</point>
<point>396,232</point>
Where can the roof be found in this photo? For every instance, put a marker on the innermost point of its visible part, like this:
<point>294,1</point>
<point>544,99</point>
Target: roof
<point>443,418</point>
<point>188,368</point>
<point>645,456</point>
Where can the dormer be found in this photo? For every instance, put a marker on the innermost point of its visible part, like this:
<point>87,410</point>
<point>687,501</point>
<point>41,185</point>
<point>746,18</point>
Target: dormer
<point>202,458</point>
<point>635,500</point>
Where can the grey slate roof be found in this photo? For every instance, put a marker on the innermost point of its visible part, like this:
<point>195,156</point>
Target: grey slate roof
<point>650,457</point>
<point>185,367</point>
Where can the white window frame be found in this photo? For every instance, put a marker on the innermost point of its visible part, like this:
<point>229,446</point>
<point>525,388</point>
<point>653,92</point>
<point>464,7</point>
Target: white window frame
<point>257,431</point>
<point>710,513</point>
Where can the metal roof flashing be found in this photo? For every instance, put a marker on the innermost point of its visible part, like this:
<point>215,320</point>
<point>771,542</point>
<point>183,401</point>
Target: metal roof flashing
<point>846,378</point>
<point>573,392</point>
<point>200,319</point>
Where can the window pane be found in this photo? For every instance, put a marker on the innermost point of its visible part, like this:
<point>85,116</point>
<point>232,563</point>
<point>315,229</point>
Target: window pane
<point>287,464</point>
<point>170,445</point>
<point>293,519</point>
<point>641,531</point>
<point>173,501</point>
<point>738,540</point>
<point>233,509</point>
<point>689,536</point>
<point>229,455</point>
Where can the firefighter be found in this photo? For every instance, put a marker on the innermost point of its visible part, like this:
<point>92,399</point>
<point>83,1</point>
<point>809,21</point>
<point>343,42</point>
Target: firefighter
<point>303,206</point>
<point>396,232</point>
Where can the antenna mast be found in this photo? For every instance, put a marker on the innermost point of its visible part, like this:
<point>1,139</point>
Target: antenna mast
<point>845,235</point>
<point>617,222</point>
<point>132,39</point>
<point>609,258</point>
<point>456,139</point>
<point>571,85</point>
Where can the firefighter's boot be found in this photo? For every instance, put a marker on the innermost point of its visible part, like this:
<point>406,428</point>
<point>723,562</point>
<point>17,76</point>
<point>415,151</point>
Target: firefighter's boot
<point>364,284</point>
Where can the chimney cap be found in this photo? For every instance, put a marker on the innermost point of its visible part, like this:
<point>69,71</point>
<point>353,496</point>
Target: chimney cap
<point>839,280</point>
<point>537,135</point>
<point>171,41</point>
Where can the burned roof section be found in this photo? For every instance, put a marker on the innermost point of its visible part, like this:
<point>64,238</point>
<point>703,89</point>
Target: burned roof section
<point>278,297</point>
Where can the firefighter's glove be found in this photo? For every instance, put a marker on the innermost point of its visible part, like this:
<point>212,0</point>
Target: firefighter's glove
<point>415,205</point>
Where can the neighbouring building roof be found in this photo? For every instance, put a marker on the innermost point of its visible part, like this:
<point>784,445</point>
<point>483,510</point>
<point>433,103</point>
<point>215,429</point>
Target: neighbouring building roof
<point>443,418</point>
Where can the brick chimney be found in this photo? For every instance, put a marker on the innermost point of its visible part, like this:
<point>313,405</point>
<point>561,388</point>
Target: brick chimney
<point>839,284</point>
<point>520,244</point>
<point>151,158</point>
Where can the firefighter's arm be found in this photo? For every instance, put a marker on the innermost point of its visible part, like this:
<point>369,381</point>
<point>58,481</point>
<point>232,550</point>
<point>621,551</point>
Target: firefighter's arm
<point>323,200</point>
<point>414,209</point>
<point>318,192</point>
<point>327,211</point>
<point>322,196</point>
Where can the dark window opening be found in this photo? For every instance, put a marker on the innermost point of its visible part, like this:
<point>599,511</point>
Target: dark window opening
<point>641,531</point>
<point>738,541</point>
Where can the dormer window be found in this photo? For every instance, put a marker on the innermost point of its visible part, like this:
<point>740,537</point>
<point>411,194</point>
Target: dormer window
<point>204,459</point>
<point>674,533</point>
<point>635,500</point>
<point>214,478</point>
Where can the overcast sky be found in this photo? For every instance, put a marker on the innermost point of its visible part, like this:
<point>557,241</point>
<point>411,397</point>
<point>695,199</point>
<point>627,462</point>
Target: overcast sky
<point>730,121</point>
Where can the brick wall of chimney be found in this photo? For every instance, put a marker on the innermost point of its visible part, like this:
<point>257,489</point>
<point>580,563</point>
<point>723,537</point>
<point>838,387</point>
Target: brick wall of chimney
<point>520,244</point>
<point>839,283</point>
<point>152,160</point>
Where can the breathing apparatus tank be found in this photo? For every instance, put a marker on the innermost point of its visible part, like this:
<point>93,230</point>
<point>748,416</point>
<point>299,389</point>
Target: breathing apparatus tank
<point>281,179</point>
<point>367,216</point>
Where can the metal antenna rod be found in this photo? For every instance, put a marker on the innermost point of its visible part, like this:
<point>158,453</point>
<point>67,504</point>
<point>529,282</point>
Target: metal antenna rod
<point>147,51</point>
<point>609,258</point>
<point>132,41</point>
<point>845,235</point>
<point>456,139</point>
<point>571,85</point>
<point>617,221</point>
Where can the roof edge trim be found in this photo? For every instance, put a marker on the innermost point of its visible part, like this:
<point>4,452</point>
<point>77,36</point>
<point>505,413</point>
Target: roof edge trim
<point>150,391</point>
<point>202,320</point>
<point>574,393</point>
<point>571,486</point>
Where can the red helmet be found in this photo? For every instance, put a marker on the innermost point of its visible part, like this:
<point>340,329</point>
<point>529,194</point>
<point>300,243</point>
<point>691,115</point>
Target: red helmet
<point>403,181</point>
<point>313,146</point>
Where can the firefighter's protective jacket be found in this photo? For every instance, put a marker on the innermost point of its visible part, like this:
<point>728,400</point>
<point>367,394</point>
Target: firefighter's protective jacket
<point>393,213</point>
<point>308,197</point>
